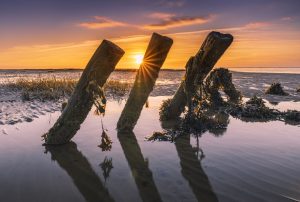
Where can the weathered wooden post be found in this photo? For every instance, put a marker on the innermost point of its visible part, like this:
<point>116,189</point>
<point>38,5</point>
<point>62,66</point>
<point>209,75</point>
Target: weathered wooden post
<point>81,101</point>
<point>79,169</point>
<point>147,74</point>
<point>197,69</point>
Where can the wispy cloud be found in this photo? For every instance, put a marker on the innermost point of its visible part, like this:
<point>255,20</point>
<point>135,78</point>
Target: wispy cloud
<point>287,18</point>
<point>101,22</point>
<point>161,15</point>
<point>171,21</point>
<point>257,25</point>
<point>172,3</point>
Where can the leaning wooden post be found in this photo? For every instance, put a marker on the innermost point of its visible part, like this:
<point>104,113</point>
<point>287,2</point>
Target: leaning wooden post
<point>197,69</point>
<point>147,74</point>
<point>81,101</point>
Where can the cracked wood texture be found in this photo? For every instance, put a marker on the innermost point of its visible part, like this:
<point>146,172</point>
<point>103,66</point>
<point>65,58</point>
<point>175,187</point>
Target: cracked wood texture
<point>197,68</point>
<point>147,74</point>
<point>97,71</point>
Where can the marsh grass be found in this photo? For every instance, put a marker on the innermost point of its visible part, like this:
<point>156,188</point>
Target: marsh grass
<point>55,88</point>
<point>117,88</point>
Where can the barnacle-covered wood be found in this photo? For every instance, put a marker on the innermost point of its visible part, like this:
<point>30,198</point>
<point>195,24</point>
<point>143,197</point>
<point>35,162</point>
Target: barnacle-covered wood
<point>88,89</point>
<point>197,69</point>
<point>147,74</point>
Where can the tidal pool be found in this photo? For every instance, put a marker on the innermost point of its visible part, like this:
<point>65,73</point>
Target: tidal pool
<point>250,161</point>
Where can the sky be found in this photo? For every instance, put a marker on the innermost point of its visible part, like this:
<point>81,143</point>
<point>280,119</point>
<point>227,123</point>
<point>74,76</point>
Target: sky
<point>65,33</point>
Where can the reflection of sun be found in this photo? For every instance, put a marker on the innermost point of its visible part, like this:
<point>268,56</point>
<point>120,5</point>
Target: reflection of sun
<point>139,59</point>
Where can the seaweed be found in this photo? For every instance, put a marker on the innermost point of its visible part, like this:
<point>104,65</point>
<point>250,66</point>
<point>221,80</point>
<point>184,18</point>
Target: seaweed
<point>214,121</point>
<point>98,97</point>
<point>106,167</point>
<point>276,89</point>
<point>292,117</point>
<point>220,79</point>
<point>106,143</point>
<point>161,136</point>
<point>254,108</point>
<point>208,111</point>
<point>164,113</point>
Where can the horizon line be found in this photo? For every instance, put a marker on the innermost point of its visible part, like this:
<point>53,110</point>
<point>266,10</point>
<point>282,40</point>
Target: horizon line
<point>128,69</point>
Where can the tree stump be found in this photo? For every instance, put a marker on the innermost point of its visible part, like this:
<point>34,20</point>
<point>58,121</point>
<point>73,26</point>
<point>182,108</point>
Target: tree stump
<point>81,101</point>
<point>197,69</point>
<point>147,74</point>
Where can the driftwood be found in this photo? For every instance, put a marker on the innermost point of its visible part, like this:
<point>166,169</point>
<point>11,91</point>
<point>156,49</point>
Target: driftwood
<point>87,90</point>
<point>197,68</point>
<point>147,74</point>
<point>79,169</point>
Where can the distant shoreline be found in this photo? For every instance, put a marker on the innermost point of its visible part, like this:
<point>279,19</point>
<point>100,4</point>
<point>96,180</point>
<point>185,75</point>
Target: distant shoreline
<point>71,69</point>
<point>133,69</point>
<point>259,70</point>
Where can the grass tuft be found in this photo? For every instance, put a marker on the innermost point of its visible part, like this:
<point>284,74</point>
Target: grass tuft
<point>55,88</point>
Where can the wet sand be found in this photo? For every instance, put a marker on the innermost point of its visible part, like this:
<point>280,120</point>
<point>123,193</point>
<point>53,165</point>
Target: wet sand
<point>13,110</point>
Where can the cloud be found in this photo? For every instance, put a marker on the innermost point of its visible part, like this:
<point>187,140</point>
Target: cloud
<point>287,18</point>
<point>160,15</point>
<point>101,22</point>
<point>171,21</point>
<point>256,25</point>
<point>172,3</point>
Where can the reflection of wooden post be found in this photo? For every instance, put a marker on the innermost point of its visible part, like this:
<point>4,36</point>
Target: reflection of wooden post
<point>139,168</point>
<point>80,103</point>
<point>147,74</point>
<point>193,172</point>
<point>197,69</point>
<point>81,172</point>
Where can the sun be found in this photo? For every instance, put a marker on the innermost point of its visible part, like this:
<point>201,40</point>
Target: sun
<point>139,59</point>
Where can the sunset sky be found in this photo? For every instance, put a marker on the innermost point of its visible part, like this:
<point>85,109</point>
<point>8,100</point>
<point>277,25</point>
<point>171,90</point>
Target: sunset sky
<point>65,33</point>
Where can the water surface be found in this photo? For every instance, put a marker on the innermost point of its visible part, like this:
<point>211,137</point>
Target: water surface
<point>247,162</point>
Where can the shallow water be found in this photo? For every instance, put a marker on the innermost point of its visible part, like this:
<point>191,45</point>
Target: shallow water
<point>248,162</point>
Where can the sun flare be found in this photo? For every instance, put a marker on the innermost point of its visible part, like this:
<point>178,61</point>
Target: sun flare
<point>139,59</point>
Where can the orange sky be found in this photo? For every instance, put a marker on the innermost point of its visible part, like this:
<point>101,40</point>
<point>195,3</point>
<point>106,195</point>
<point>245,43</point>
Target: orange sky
<point>248,50</point>
<point>261,42</point>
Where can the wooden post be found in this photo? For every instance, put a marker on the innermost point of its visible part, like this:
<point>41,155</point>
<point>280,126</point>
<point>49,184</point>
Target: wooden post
<point>147,74</point>
<point>81,101</point>
<point>197,69</point>
<point>79,169</point>
<point>139,168</point>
